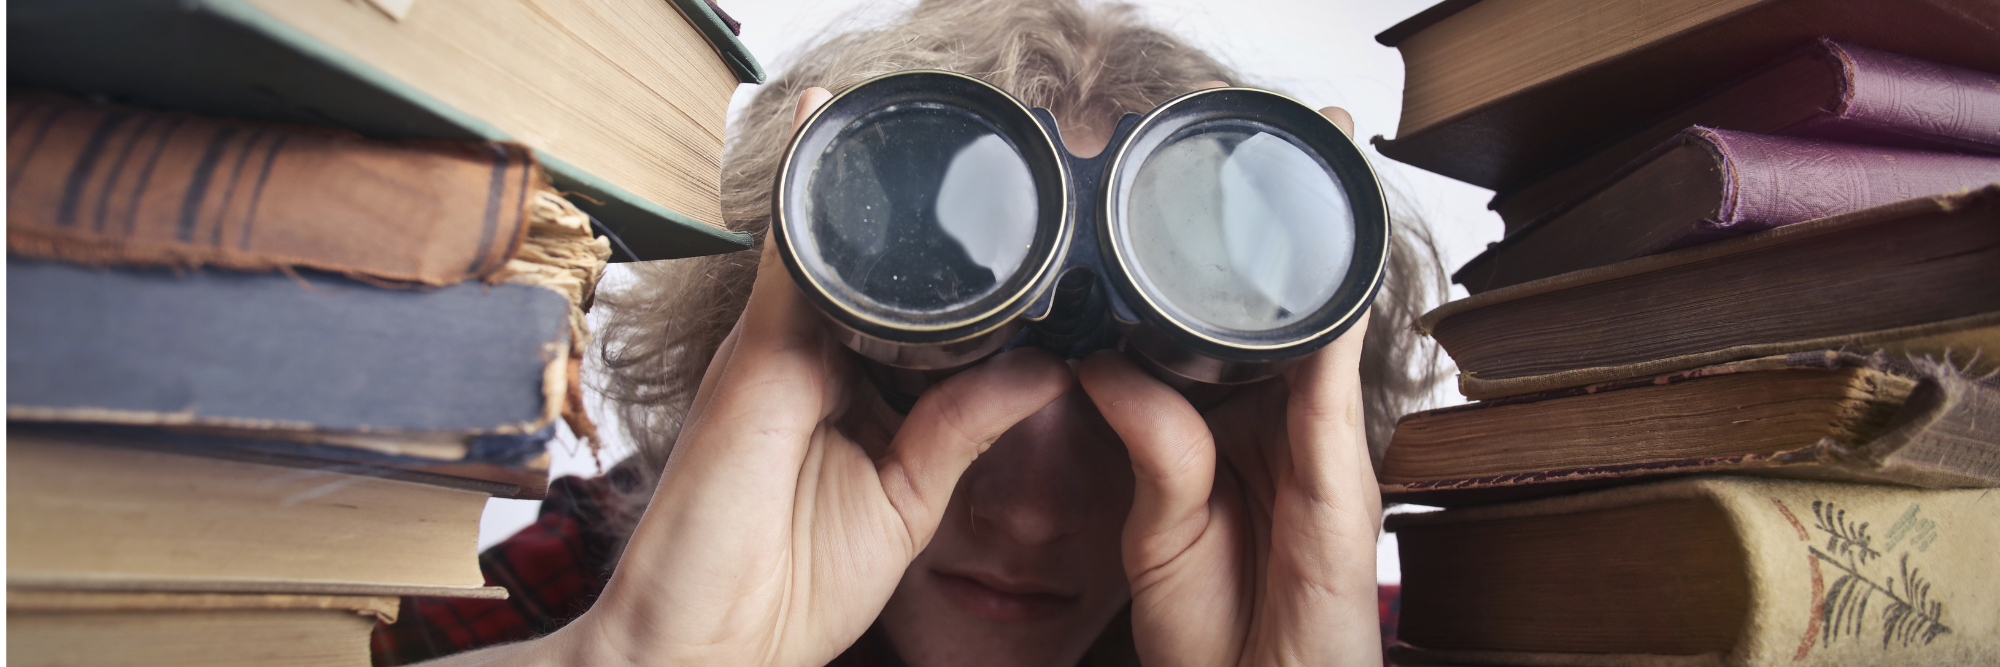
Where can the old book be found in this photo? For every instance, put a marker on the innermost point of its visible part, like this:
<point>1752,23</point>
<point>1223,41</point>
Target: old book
<point>308,352</point>
<point>518,463</point>
<point>1500,91</point>
<point>92,628</point>
<point>1710,571</point>
<point>103,184</point>
<point>1819,415</point>
<point>1920,276</point>
<point>83,515</point>
<point>623,101</point>
<point>1707,184</point>
<point>1828,90</point>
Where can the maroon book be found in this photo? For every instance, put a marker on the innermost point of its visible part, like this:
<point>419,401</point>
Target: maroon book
<point>1828,90</point>
<point>1707,184</point>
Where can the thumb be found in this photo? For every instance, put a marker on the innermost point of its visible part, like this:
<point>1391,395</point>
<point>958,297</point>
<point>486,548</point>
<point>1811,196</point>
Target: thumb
<point>953,423</point>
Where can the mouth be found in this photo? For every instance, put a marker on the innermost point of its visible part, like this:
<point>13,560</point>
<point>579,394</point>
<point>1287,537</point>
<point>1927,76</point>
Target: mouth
<point>997,599</point>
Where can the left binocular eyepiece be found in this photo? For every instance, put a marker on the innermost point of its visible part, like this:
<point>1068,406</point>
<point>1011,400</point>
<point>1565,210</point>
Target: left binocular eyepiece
<point>936,220</point>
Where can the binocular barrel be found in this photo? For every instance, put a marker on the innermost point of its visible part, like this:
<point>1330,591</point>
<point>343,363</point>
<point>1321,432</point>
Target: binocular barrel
<point>1219,238</point>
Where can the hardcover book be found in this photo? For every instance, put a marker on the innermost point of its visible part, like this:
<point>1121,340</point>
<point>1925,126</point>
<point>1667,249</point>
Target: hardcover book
<point>50,628</point>
<point>623,101</point>
<point>1498,92</point>
<point>102,184</point>
<point>1819,415</point>
<point>1920,276</point>
<point>1829,90</point>
<point>1709,571</point>
<point>1708,184</point>
<point>305,352</point>
<point>94,515</point>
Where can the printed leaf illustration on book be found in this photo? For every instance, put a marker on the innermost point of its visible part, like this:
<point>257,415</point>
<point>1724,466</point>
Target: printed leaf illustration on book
<point>1910,617</point>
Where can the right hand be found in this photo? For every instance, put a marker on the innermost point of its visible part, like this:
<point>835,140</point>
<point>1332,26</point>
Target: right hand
<point>795,498</point>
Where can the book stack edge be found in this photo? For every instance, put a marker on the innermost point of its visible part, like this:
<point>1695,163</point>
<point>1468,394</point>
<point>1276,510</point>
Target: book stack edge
<point>1733,402</point>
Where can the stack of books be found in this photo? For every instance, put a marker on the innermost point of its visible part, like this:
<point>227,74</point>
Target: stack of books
<point>292,293</point>
<point>1733,361</point>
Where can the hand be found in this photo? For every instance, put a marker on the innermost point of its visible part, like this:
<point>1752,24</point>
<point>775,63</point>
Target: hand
<point>795,498</point>
<point>1265,555</point>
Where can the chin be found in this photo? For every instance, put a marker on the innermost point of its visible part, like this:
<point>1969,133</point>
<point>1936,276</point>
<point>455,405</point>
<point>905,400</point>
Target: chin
<point>938,618</point>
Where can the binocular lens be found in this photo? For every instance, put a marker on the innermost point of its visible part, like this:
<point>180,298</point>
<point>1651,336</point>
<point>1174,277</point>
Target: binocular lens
<point>1233,225</point>
<point>918,208</point>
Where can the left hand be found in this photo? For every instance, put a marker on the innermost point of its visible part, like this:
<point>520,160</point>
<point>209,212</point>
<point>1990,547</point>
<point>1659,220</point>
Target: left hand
<point>1266,554</point>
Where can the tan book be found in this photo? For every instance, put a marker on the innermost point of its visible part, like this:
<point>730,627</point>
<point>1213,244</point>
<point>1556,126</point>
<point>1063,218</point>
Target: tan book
<point>83,628</point>
<point>85,516</point>
<point>1819,415</point>
<point>1920,276</point>
<point>1710,571</point>
<point>1498,92</point>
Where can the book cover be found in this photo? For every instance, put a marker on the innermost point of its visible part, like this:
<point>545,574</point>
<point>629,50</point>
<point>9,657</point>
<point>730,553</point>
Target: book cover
<point>89,515</point>
<point>1709,571</point>
<point>1920,276</point>
<point>94,628</point>
<point>250,59</point>
<point>108,185</point>
<point>1828,90</point>
<point>1819,415</point>
<point>1499,91</point>
<point>1707,184</point>
<point>305,352</point>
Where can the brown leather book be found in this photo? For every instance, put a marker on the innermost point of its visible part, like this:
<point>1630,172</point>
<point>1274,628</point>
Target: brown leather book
<point>1920,276</point>
<point>1500,91</point>
<point>107,185</point>
<point>1708,184</point>
<point>1833,91</point>
<point>1819,415</point>
<point>1706,572</point>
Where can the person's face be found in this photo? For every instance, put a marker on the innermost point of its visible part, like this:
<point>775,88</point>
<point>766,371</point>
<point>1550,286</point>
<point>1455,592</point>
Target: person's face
<point>1025,567</point>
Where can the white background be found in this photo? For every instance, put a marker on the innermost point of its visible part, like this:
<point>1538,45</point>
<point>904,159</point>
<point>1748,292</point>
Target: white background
<point>1323,53</point>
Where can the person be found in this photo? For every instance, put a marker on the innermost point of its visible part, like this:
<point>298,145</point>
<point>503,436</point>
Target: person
<point>1027,511</point>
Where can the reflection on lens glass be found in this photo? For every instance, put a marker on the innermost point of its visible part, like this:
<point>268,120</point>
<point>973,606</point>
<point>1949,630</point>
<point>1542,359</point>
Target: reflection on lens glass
<point>920,208</point>
<point>1237,227</point>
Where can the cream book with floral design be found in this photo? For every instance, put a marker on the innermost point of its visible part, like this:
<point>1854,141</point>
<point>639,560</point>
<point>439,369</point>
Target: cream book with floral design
<point>1723,571</point>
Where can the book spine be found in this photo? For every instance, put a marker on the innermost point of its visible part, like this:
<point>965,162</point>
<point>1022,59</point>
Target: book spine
<point>1775,181</point>
<point>266,351</point>
<point>1837,573</point>
<point>1948,434</point>
<point>108,186</point>
<point>1896,100</point>
<point>1846,574</point>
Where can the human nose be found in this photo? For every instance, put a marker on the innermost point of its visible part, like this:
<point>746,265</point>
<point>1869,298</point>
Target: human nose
<point>1025,490</point>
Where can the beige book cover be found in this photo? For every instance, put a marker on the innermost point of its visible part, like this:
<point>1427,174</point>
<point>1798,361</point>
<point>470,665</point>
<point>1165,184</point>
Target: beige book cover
<point>1835,574</point>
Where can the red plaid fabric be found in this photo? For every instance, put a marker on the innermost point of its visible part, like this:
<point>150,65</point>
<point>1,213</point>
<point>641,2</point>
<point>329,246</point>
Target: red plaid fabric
<point>552,570</point>
<point>556,567</point>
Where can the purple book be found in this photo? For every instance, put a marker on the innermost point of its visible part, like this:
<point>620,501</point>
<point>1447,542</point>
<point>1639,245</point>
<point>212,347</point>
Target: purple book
<point>1707,184</point>
<point>1828,90</point>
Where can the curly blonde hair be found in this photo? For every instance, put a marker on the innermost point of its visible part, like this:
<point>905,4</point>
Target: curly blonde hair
<point>1087,64</point>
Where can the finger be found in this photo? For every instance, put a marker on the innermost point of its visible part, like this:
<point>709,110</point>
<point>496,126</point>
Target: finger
<point>775,388</point>
<point>1173,458</point>
<point>1213,84</point>
<point>1340,118</point>
<point>705,392</point>
<point>953,423</point>
<point>1324,419</point>
<point>809,101</point>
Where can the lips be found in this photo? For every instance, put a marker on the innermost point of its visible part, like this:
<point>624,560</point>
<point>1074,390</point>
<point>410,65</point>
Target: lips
<point>998,599</point>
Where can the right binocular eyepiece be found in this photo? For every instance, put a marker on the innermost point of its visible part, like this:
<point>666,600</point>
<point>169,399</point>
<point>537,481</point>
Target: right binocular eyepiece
<point>937,220</point>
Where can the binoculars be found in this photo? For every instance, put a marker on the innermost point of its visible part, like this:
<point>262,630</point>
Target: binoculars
<point>936,220</point>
